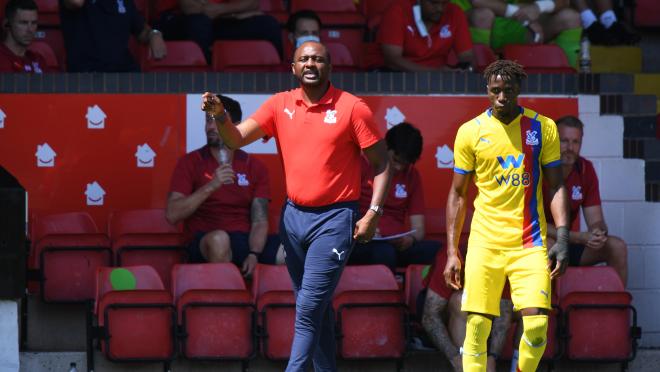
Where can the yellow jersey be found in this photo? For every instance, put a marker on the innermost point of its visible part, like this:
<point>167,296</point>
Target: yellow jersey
<point>507,161</point>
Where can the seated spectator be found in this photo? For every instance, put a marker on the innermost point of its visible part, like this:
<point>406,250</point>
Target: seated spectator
<point>97,32</point>
<point>206,21</point>
<point>501,22</point>
<point>20,25</point>
<point>405,199</point>
<point>595,245</point>
<point>442,302</point>
<point>303,25</point>
<point>419,35</point>
<point>605,29</point>
<point>221,195</point>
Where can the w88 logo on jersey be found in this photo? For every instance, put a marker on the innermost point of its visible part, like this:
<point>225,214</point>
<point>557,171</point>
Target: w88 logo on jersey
<point>515,179</point>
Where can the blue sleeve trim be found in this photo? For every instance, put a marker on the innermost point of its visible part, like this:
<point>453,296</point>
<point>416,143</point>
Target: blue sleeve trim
<point>461,171</point>
<point>553,164</point>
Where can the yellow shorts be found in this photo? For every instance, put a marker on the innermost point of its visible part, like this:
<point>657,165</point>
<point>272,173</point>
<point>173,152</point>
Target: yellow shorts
<point>486,271</point>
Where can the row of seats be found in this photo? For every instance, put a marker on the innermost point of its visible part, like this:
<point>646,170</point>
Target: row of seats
<point>210,314</point>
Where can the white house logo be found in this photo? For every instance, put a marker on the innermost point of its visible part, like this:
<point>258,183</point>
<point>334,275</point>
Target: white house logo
<point>445,32</point>
<point>531,138</point>
<point>45,156</point>
<point>444,157</point>
<point>2,118</point>
<point>576,193</point>
<point>145,156</point>
<point>394,116</point>
<point>400,191</point>
<point>95,117</point>
<point>242,179</point>
<point>94,194</point>
<point>330,117</point>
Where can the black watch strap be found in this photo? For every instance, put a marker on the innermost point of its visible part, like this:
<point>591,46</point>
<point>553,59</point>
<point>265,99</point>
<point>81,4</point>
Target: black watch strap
<point>257,254</point>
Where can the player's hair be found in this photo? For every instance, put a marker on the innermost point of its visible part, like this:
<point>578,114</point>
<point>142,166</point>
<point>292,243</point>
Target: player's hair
<point>302,14</point>
<point>508,70</point>
<point>233,108</point>
<point>14,5</point>
<point>406,141</point>
<point>571,121</point>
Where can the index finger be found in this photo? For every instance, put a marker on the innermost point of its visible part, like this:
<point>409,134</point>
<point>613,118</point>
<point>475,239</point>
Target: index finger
<point>555,272</point>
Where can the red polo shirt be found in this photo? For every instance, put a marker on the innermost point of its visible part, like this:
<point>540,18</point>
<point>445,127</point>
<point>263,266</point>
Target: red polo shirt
<point>398,28</point>
<point>582,188</point>
<point>319,144</point>
<point>405,198</point>
<point>31,62</point>
<point>228,208</point>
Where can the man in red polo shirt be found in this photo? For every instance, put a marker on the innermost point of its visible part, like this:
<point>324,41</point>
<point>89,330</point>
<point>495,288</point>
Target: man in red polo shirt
<point>20,25</point>
<point>223,203</point>
<point>320,132</point>
<point>418,35</point>
<point>594,245</point>
<point>405,200</point>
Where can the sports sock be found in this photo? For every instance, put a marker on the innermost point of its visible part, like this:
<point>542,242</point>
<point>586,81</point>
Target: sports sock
<point>532,342</point>
<point>608,18</point>
<point>569,41</point>
<point>588,18</point>
<point>475,345</point>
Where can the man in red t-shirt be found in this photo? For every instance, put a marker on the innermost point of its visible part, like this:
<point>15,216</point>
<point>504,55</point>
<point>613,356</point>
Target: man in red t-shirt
<point>405,200</point>
<point>594,245</point>
<point>320,132</point>
<point>440,299</point>
<point>20,25</point>
<point>419,35</point>
<point>222,196</point>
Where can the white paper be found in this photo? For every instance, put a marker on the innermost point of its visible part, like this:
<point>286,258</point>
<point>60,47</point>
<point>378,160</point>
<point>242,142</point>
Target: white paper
<point>395,236</point>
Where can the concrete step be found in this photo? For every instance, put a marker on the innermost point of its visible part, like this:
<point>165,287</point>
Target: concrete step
<point>648,84</point>
<point>626,59</point>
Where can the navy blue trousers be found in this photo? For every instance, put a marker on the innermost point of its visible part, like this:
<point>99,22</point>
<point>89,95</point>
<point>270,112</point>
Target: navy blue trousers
<point>317,242</point>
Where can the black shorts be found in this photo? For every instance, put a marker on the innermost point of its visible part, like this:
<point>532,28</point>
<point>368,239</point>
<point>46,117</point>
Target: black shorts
<point>240,248</point>
<point>575,254</point>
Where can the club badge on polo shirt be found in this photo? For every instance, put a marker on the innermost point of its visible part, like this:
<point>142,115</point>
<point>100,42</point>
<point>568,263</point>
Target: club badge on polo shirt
<point>121,8</point>
<point>445,32</point>
<point>330,117</point>
<point>576,193</point>
<point>242,179</point>
<point>400,191</point>
<point>3,116</point>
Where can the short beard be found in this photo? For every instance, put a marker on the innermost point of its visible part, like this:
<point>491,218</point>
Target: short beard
<point>213,143</point>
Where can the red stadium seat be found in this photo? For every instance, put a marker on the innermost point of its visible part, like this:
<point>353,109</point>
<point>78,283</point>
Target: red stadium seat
<point>275,8</point>
<point>647,13</point>
<point>144,237</point>
<point>67,250</point>
<point>483,56</point>
<point>600,322</point>
<point>273,294</point>
<point>539,58</point>
<point>54,38</point>
<point>134,315</point>
<point>49,13</point>
<point>181,56</point>
<point>245,55</point>
<point>414,285</point>
<point>43,49</point>
<point>216,314</point>
<point>341,58</point>
<point>371,318</point>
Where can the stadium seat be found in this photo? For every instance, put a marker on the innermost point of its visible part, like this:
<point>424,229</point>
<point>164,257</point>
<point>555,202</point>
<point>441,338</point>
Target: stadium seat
<point>539,58</point>
<point>413,285</point>
<point>67,249</point>
<point>483,56</point>
<point>275,8</point>
<point>133,317</point>
<point>49,13</point>
<point>182,56</point>
<point>273,294</point>
<point>647,13</point>
<point>216,313</point>
<point>371,318</point>
<point>142,7</point>
<point>245,55</point>
<point>342,61</point>
<point>43,49</point>
<point>599,320</point>
<point>144,237</point>
<point>54,38</point>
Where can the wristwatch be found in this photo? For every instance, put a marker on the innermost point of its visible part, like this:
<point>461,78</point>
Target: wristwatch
<point>377,209</point>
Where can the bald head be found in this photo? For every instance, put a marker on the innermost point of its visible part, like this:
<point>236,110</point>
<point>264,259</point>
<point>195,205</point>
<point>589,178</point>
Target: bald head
<point>312,46</point>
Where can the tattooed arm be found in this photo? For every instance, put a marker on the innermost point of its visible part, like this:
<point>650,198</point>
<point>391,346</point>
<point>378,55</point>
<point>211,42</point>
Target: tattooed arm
<point>258,232</point>
<point>436,329</point>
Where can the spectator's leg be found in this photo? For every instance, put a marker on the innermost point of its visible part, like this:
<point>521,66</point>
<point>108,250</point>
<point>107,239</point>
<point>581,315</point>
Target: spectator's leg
<point>508,31</point>
<point>481,22</point>
<point>422,253</point>
<point>564,28</point>
<point>614,253</point>
<point>240,247</point>
<point>457,318</point>
<point>261,27</point>
<point>269,254</point>
<point>199,28</point>
<point>216,246</point>
<point>374,253</point>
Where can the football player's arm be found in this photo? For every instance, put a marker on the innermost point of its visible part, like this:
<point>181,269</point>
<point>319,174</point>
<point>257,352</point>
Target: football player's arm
<point>559,209</point>
<point>574,237</point>
<point>455,216</point>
